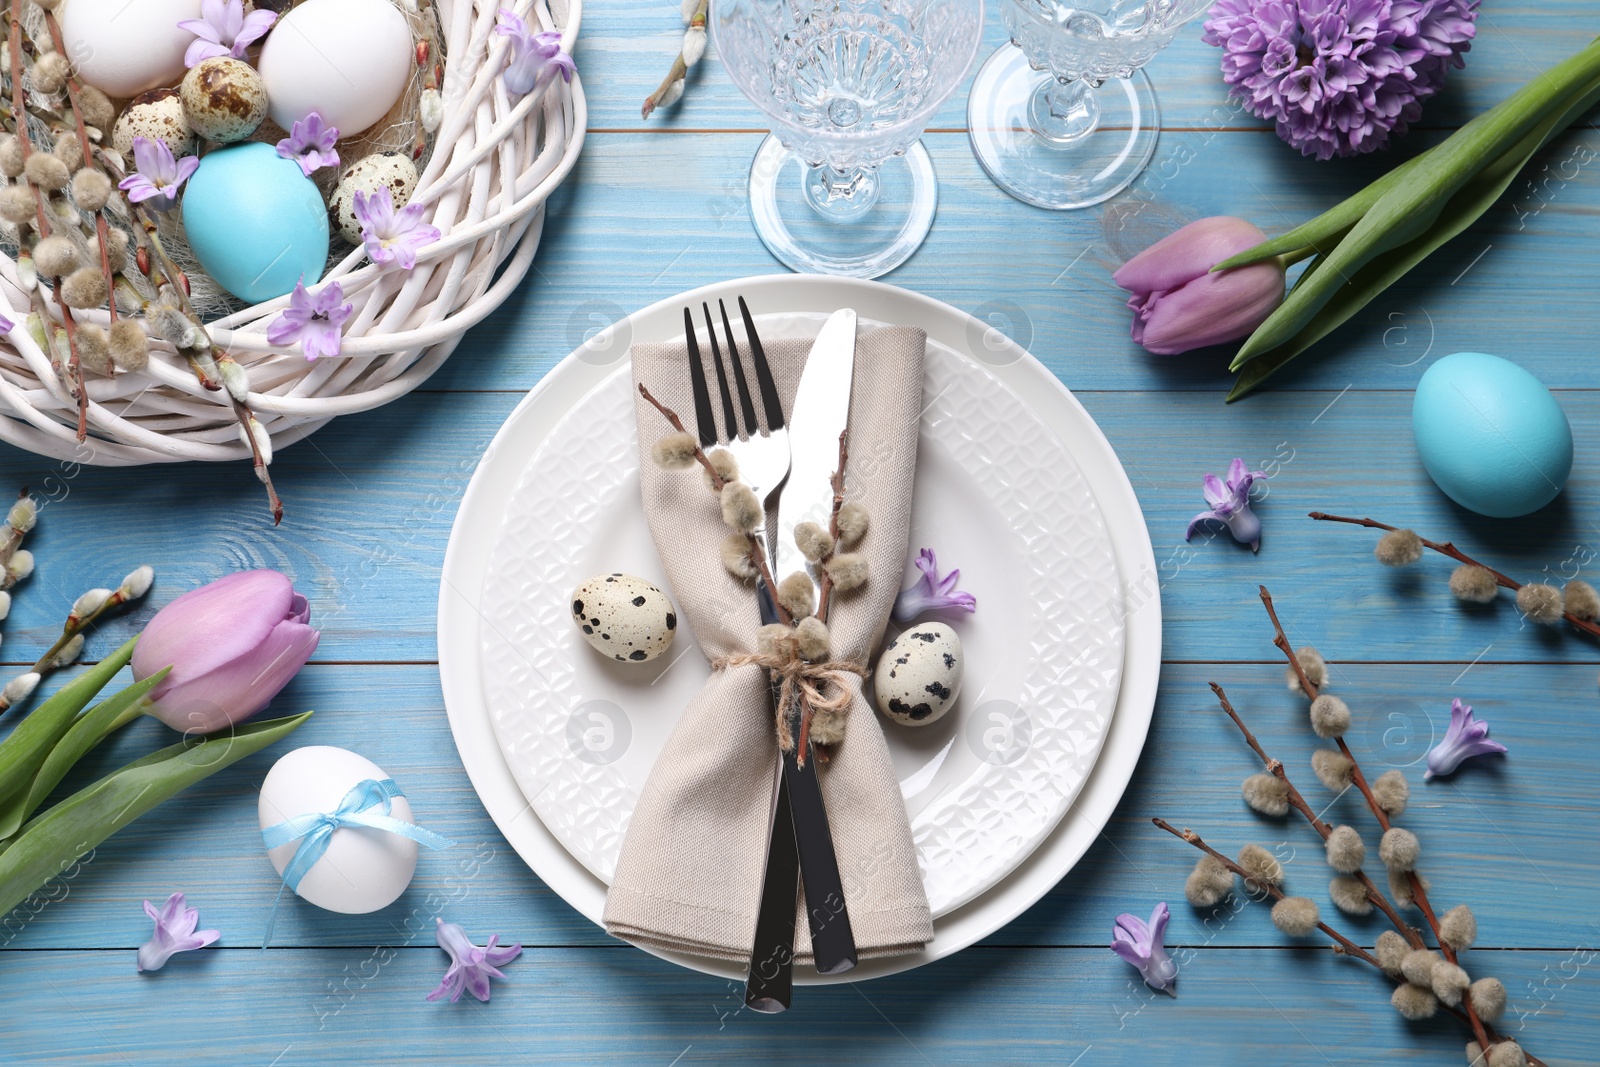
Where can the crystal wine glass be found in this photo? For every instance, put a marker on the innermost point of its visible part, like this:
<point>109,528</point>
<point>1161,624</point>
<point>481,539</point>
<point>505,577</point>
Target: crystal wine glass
<point>843,184</point>
<point>1064,116</point>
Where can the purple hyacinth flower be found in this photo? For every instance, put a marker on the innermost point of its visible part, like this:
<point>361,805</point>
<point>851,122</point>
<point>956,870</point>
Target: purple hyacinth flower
<point>533,55</point>
<point>1230,505</point>
<point>223,29</point>
<point>1339,77</point>
<point>392,236</point>
<point>933,591</point>
<point>313,320</point>
<point>175,932</point>
<point>157,176</point>
<point>1466,737</point>
<point>471,967</point>
<point>1140,944</point>
<point>6,326</point>
<point>311,144</point>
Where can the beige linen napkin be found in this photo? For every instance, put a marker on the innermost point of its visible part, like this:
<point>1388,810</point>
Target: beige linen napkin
<point>689,877</point>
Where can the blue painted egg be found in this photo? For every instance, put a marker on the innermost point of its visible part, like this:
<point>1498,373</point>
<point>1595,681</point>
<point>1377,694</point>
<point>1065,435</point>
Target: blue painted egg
<point>1491,435</point>
<point>256,223</point>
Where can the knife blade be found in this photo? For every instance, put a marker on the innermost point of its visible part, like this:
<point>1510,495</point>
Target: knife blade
<point>819,416</point>
<point>821,412</point>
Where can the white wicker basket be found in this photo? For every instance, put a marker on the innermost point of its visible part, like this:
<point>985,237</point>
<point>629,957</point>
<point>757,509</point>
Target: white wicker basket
<point>495,161</point>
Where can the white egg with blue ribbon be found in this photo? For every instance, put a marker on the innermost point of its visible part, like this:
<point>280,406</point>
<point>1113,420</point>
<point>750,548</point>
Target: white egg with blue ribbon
<point>339,831</point>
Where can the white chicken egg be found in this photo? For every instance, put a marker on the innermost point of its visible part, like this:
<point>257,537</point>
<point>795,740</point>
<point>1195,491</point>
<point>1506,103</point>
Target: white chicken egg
<point>347,60</point>
<point>364,869</point>
<point>123,47</point>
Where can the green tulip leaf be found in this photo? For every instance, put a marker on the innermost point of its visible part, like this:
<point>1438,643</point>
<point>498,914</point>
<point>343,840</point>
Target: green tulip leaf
<point>1465,208</point>
<point>50,843</point>
<point>1411,205</point>
<point>88,731</point>
<point>24,751</point>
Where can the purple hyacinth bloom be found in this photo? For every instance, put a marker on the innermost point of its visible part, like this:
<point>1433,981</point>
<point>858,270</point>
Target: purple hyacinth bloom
<point>471,967</point>
<point>1230,505</point>
<point>313,320</point>
<point>223,29</point>
<point>175,932</point>
<point>1180,303</point>
<point>1338,77</point>
<point>6,326</point>
<point>1140,944</point>
<point>392,236</point>
<point>1466,737</point>
<point>533,55</point>
<point>311,143</point>
<point>933,591</point>
<point>157,176</point>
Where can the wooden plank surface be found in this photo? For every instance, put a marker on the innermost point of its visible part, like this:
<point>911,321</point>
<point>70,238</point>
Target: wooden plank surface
<point>658,208</point>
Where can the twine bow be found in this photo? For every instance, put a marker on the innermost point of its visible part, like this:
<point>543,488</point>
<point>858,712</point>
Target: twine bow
<point>315,831</point>
<point>803,681</point>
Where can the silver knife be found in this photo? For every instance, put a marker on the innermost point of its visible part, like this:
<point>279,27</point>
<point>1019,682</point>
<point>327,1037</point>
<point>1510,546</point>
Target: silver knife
<point>821,413</point>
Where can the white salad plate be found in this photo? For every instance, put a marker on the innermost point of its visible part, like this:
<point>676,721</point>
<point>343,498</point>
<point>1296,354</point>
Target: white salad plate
<point>1015,485</point>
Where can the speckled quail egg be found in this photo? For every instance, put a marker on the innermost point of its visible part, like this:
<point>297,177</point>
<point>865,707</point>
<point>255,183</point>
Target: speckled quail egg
<point>157,115</point>
<point>919,674</point>
<point>224,99</point>
<point>391,169</point>
<point>624,617</point>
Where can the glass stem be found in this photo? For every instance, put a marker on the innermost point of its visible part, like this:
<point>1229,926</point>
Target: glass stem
<point>1064,111</point>
<point>841,195</point>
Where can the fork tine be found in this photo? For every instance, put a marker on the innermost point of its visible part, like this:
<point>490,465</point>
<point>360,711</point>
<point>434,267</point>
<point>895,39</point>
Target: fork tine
<point>769,390</point>
<point>697,380</point>
<point>729,419</point>
<point>743,387</point>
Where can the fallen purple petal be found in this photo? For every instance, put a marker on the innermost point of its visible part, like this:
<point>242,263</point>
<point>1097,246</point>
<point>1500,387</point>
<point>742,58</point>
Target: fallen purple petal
<point>1467,737</point>
<point>174,932</point>
<point>933,591</point>
<point>471,967</point>
<point>1140,944</point>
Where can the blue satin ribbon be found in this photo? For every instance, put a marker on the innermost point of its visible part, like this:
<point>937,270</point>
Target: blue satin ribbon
<point>315,830</point>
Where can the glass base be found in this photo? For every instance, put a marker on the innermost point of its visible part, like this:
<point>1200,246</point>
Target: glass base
<point>1049,160</point>
<point>849,242</point>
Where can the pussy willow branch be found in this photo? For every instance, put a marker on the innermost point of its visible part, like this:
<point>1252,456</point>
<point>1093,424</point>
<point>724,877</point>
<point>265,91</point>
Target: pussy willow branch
<point>679,69</point>
<point>13,538</point>
<point>74,627</point>
<point>1418,892</point>
<point>825,586</point>
<point>1346,946</point>
<point>43,221</point>
<point>1343,945</point>
<point>1299,803</point>
<point>1445,548</point>
<point>758,554</point>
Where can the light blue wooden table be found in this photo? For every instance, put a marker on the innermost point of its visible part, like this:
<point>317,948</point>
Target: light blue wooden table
<point>658,209</point>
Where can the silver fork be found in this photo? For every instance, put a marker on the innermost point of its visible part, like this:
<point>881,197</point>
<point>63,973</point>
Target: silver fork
<point>762,454</point>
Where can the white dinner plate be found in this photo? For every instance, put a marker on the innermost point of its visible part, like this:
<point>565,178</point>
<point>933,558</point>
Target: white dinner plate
<point>997,494</point>
<point>475,616</point>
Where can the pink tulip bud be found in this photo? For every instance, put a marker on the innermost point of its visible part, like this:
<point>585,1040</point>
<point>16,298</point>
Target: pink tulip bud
<point>1178,304</point>
<point>232,646</point>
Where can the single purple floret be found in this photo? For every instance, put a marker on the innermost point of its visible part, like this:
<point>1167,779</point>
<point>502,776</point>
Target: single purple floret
<point>471,967</point>
<point>311,143</point>
<point>933,591</point>
<point>6,325</point>
<point>223,29</point>
<point>1466,737</point>
<point>156,177</point>
<point>1230,505</point>
<point>175,932</point>
<point>1338,77</point>
<point>392,236</point>
<point>313,320</point>
<point>1140,944</point>
<point>533,55</point>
